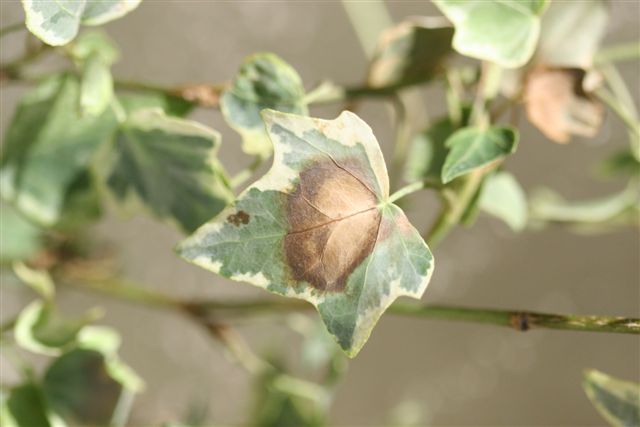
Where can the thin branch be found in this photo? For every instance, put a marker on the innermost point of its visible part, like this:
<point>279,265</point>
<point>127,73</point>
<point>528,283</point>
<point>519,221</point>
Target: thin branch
<point>519,320</point>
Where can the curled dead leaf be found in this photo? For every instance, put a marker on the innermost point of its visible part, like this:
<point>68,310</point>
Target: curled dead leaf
<point>557,103</point>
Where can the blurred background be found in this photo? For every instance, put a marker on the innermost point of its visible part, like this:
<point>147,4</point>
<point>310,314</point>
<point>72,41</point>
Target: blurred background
<point>446,373</point>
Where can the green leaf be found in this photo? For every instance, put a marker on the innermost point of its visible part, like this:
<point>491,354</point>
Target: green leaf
<point>41,329</point>
<point>622,163</point>
<point>57,22</point>
<point>428,151</point>
<point>410,52</point>
<point>500,31</point>
<point>20,239</point>
<point>26,406</point>
<point>472,148</point>
<point>571,33</point>
<point>263,81</point>
<point>94,42</point>
<point>97,86</point>
<point>616,400</point>
<point>171,105</point>
<point>546,205</point>
<point>319,226</point>
<point>48,147</point>
<point>170,165</point>
<point>503,198</point>
<point>78,387</point>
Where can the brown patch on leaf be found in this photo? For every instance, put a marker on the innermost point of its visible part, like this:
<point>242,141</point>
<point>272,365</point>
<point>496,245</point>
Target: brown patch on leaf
<point>240,217</point>
<point>333,224</point>
<point>557,104</point>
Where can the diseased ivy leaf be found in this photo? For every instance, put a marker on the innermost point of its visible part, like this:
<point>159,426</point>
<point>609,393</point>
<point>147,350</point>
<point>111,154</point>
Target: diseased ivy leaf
<point>263,81</point>
<point>557,104</point>
<point>616,400</point>
<point>410,52</point>
<point>20,239</point>
<point>503,198</point>
<point>41,329</point>
<point>48,147</point>
<point>500,31</point>
<point>79,388</point>
<point>319,226</point>
<point>170,165</point>
<point>472,148</point>
<point>571,33</point>
<point>57,22</point>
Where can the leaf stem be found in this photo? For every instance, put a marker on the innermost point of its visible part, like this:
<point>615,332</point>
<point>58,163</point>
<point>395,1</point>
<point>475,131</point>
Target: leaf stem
<point>412,188</point>
<point>618,52</point>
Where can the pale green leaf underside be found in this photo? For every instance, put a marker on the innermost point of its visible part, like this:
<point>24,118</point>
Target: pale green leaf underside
<point>56,22</point>
<point>616,400</point>
<point>269,238</point>
<point>500,31</point>
<point>264,81</point>
<point>503,198</point>
<point>472,148</point>
<point>169,164</point>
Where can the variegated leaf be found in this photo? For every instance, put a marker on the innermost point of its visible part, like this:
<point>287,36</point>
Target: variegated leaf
<point>319,226</point>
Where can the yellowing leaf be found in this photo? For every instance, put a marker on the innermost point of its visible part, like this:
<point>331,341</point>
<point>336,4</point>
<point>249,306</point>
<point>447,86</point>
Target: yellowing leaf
<point>319,226</point>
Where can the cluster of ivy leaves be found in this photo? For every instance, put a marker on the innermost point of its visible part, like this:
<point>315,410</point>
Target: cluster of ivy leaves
<point>78,142</point>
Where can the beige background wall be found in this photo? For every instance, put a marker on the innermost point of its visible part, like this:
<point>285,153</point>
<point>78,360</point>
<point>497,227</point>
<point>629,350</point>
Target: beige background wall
<point>459,374</point>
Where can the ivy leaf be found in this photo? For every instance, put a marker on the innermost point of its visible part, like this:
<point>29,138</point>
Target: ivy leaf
<point>171,105</point>
<point>503,198</point>
<point>616,400</point>
<point>571,33</point>
<point>20,239</point>
<point>26,406</point>
<point>410,52</point>
<point>263,81</point>
<point>48,147</point>
<point>57,22</point>
<point>500,31</point>
<point>472,148</point>
<point>170,165</point>
<point>78,387</point>
<point>319,226</point>
<point>557,104</point>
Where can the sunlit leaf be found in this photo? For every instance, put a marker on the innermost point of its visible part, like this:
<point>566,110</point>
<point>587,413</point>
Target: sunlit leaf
<point>19,239</point>
<point>571,33</point>
<point>410,52</point>
<point>263,81</point>
<point>503,197</point>
<point>319,226</point>
<point>41,329</point>
<point>57,22</point>
<point>500,31</point>
<point>557,104</point>
<point>48,147</point>
<point>472,148</point>
<point>169,164</point>
<point>616,400</point>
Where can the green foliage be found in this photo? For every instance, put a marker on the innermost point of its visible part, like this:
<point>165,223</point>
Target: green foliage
<point>57,22</point>
<point>501,31</point>
<point>502,197</point>
<point>264,81</point>
<point>409,53</point>
<point>170,165</point>
<point>616,400</point>
<point>319,227</point>
<point>472,148</point>
<point>19,239</point>
<point>26,407</point>
<point>48,146</point>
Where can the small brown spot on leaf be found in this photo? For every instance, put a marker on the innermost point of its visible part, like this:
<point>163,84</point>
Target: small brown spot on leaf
<point>240,217</point>
<point>333,224</point>
<point>558,105</point>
